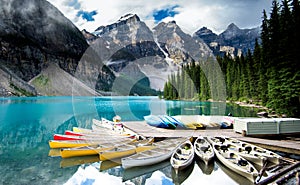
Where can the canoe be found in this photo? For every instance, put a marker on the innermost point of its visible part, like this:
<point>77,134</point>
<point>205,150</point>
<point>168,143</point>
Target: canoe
<point>84,151</point>
<point>67,137</point>
<point>117,152</point>
<point>127,149</point>
<point>155,121</point>
<point>203,149</point>
<point>90,142</point>
<point>54,144</point>
<point>113,127</point>
<point>68,143</point>
<point>183,156</point>
<point>72,133</point>
<point>110,125</point>
<point>251,148</point>
<point>245,149</point>
<point>232,146</point>
<point>82,130</point>
<point>234,161</point>
<point>162,151</point>
<point>190,121</point>
<point>94,150</point>
<point>87,137</point>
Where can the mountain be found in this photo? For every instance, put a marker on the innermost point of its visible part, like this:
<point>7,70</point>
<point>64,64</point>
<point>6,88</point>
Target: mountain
<point>179,46</point>
<point>233,41</point>
<point>43,53</point>
<point>33,36</point>
<point>146,57</point>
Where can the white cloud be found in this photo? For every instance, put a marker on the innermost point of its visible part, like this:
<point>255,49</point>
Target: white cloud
<point>215,15</point>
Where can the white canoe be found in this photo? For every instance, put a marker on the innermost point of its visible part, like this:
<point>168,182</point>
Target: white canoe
<point>110,126</point>
<point>203,149</point>
<point>162,151</point>
<point>183,156</point>
<point>246,149</point>
<point>234,161</point>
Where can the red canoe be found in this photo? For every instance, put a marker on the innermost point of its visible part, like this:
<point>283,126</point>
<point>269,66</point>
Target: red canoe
<point>67,137</point>
<point>71,133</point>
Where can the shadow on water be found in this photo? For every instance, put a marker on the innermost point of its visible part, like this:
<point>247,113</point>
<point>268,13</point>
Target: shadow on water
<point>182,175</point>
<point>135,172</point>
<point>206,169</point>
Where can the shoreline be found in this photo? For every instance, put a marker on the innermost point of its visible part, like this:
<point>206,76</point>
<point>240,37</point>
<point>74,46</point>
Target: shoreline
<point>263,111</point>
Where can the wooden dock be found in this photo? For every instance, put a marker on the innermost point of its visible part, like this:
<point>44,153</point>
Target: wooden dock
<point>291,146</point>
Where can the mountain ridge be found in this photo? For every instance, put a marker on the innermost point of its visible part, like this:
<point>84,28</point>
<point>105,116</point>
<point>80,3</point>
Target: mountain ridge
<point>41,39</point>
<point>233,41</point>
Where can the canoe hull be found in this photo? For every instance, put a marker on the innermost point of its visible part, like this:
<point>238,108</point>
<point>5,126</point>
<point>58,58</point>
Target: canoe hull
<point>103,156</point>
<point>203,150</point>
<point>233,160</point>
<point>82,151</point>
<point>129,163</point>
<point>183,156</point>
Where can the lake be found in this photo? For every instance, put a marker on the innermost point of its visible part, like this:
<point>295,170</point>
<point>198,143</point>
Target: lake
<point>28,123</point>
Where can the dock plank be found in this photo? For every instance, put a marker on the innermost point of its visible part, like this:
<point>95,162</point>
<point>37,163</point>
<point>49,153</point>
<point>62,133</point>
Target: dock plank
<point>142,128</point>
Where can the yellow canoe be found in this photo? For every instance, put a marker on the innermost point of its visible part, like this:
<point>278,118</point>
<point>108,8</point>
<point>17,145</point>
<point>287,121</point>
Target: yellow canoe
<point>93,149</point>
<point>69,144</point>
<point>83,151</point>
<point>117,152</point>
<point>127,149</point>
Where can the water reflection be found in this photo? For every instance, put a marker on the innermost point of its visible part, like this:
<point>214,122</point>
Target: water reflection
<point>136,172</point>
<point>218,174</point>
<point>26,125</point>
<point>182,175</point>
<point>206,169</point>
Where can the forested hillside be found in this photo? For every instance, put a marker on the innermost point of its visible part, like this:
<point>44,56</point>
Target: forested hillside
<point>270,75</point>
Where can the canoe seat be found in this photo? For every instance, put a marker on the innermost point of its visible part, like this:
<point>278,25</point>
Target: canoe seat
<point>181,157</point>
<point>177,161</point>
<point>204,148</point>
<point>242,162</point>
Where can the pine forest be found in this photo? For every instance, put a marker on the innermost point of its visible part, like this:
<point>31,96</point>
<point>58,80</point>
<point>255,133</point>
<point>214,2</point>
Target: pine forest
<point>269,75</point>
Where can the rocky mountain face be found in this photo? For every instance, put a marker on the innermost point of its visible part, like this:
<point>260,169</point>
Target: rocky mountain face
<point>233,41</point>
<point>148,57</point>
<point>41,51</point>
<point>179,46</point>
<point>33,35</point>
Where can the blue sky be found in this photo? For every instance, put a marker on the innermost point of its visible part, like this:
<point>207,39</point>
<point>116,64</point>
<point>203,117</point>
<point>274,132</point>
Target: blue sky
<point>189,15</point>
<point>88,16</point>
<point>159,15</point>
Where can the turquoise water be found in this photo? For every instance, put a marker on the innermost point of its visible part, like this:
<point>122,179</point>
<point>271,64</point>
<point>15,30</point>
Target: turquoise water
<point>26,125</point>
